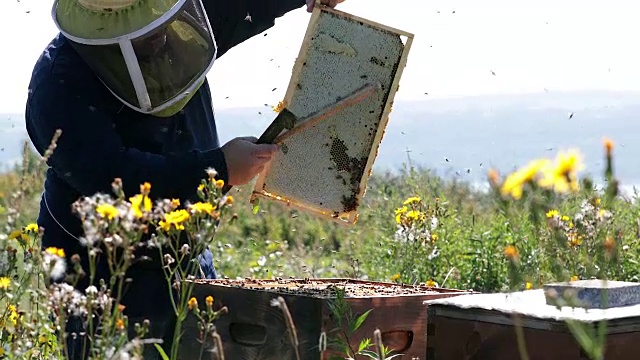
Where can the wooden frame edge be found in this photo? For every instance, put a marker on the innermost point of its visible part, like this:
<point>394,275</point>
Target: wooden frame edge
<point>384,119</point>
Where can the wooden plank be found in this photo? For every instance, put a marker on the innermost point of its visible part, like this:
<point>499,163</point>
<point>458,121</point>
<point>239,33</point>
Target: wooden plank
<point>456,338</point>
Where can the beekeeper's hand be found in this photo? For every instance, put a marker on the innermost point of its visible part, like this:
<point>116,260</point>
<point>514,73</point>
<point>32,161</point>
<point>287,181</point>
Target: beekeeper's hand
<point>245,159</point>
<point>329,3</point>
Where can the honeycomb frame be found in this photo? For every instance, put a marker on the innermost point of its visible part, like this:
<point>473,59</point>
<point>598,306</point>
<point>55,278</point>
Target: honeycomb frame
<point>348,175</point>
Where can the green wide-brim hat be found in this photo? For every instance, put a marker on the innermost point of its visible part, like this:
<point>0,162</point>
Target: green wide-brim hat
<point>109,19</point>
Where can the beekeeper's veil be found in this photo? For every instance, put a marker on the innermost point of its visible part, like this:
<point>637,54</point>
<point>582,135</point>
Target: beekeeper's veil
<point>151,54</point>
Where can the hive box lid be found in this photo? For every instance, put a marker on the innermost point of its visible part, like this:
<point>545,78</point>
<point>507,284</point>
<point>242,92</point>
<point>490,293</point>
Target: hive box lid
<point>591,294</point>
<point>324,165</point>
<point>529,303</point>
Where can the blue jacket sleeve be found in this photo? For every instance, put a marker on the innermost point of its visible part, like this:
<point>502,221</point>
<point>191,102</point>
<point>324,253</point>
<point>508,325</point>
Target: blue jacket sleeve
<point>227,18</point>
<point>90,154</point>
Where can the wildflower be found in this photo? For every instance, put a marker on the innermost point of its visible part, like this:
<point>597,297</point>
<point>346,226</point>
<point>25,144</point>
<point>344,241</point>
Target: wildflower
<point>395,277</point>
<point>107,211</point>
<point>228,200</point>
<point>552,213</point>
<point>514,183</point>
<point>574,239</point>
<point>31,228</point>
<point>5,282</point>
<point>278,108</point>
<point>209,300</point>
<point>139,204</point>
<point>493,176</point>
<point>528,286</point>
<point>575,278</point>
<point>510,252</point>
<point>412,200</point>
<point>212,173</point>
<point>431,283</point>
<point>609,244</point>
<point>414,215</point>
<point>193,303</point>
<point>220,184</point>
<point>54,263</point>
<point>201,207</point>
<point>175,218</point>
<point>562,177</point>
<point>608,146</point>
<point>18,235</point>
<point>175,203</point>
<point>201,187</point>
<point>434,237</point>
<point>120,324</point>
<point>55,251</point>
<point>565,218</point>
<point>145,189</point>
<point>399,213</point>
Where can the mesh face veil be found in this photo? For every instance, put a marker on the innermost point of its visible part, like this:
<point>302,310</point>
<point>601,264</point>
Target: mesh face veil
<point>153,55</point>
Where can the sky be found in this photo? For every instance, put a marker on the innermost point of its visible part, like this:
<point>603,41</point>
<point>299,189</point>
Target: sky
<point>461,48</point>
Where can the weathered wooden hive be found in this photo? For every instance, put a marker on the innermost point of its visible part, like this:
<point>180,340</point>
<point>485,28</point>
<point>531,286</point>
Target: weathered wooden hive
<point>255,330</point>
<point>324,166</point>
<point>484,326</point>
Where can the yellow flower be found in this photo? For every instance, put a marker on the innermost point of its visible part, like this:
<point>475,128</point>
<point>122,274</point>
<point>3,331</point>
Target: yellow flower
<point>431,283</point>
<point>145,188</point>
<point>552,213</point>
<point>434,237</point>
<point>175,218</point>
<point>229,200</point>
<point>193,303</point>
<point>575,278</point>
<point>107,211</point>
<point>13,314</point>
<point>220,184</point>
<point>414,215</point>
<point>42,339</point>
<point>201,207</point>
<point>574,239</point>
<point>15,234</point>
<point>201,187</point>
<point>399,212</point>
<point>175,203</point>
<point>563,177</point>
<point>5,282</point>
<point>411,200</point>
<point>31,228</point>
<point>515,181</point>
<point>209,300</point>
<point>395,277</point>
<point>608,146</point>
<point>120,324</point>
<point>528,286</point>
<point>565,218</point>
<point>511,252</point>
<point>278,108</point>
<point>139,204</point>
<point>55,251</point>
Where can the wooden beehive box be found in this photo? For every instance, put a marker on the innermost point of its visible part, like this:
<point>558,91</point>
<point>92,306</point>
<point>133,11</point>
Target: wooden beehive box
<point>324,166</point>
<point>255,330</point>
<point>482,326</point>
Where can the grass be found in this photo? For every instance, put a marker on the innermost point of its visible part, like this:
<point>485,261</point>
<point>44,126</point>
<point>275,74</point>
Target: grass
<point>537,225</point>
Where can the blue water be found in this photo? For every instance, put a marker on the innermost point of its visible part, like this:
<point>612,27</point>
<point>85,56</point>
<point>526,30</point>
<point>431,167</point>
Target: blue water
<point>464,137</point>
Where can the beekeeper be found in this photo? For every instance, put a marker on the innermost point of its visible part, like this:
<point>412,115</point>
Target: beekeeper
<point>125,81</point>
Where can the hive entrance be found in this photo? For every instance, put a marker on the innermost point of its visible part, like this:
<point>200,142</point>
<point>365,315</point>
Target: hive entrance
<point>325,167</point>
